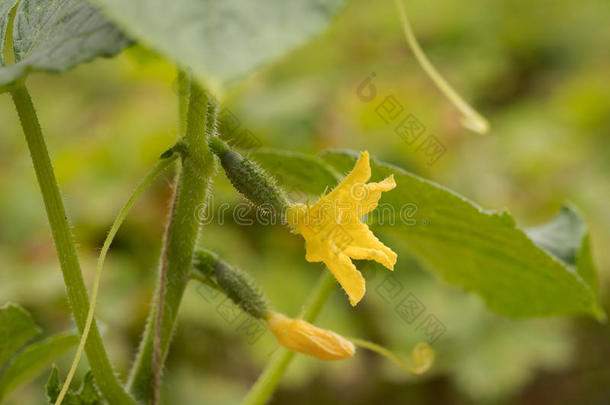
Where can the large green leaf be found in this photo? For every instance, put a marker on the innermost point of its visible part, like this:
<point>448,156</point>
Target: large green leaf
<point>480,250</point>
<point>16,328</point>
<point>56,35</point>
<point>32,360</point>
<point>221,40</point>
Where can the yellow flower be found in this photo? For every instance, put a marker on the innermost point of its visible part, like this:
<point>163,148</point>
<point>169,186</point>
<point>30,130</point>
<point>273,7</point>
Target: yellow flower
<point>334,232</point>
<point>303,337</point>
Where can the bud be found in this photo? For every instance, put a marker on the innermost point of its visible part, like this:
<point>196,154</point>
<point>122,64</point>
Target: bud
<point>303,337</point>
<point>235,283</point>
<point>249,179</point>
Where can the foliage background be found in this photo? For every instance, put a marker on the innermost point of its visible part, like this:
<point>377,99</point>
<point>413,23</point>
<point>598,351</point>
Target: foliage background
<point>537,70</point>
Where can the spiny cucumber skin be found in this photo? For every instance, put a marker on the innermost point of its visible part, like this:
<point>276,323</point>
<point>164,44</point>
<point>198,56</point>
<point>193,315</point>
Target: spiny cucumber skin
<point>241,289</point>
<point>235,283</point>
<point>250,179</point>
<point>205,262</point>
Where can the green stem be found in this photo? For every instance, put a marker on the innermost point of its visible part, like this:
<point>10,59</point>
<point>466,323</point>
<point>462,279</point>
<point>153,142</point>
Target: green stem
<point>77,294</point>
<point>421,359</point>
<point>268,381</point>
<point>181,235</point>
<point>471,118</point>
<point>152,175</point>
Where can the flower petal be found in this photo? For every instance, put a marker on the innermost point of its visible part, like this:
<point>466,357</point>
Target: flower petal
<point>372,195</point>
<point>366,246</point>
<point>360,174</point>
<point>348,276</point>
<point>334,231</point>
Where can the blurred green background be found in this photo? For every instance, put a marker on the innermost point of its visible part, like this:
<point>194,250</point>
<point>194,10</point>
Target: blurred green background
<point>538,70</point>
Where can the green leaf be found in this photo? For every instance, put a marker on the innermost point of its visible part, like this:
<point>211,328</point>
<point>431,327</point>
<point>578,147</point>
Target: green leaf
<point>484,251</point>
<point>16,328</point>
<point>54,36</point>
<point>567,238</point>
<point>87,394</point>
<point>5,11</point>
<point>295,171</point>
<point>31,361</point>
<point>221,40</point>
<point>561,237</point>
<point>53,386</point>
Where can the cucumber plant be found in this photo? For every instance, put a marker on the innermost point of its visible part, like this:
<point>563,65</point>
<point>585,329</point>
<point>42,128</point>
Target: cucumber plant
<point>518,272</point>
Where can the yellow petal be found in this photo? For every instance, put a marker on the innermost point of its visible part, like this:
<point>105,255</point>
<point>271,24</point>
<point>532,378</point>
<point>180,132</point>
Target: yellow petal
<point>372,194</point>
<point>303,337</point>
<point>368,247</point>
<point>334,231</point>
<point>360,174</point>
<point>348,276</point>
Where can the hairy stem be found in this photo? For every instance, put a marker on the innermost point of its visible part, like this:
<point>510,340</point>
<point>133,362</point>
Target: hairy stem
<point>268,381</point>
<point>179,243</point>
<point>152,175</point>
<point>66,251</point>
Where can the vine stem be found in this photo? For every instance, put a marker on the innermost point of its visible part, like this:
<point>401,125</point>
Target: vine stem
<point>268,381</point>
<point>181,235</point>
<point>471,118</point>
<point>150,177</point>
<point>105,378</point>
<point>422,356</point>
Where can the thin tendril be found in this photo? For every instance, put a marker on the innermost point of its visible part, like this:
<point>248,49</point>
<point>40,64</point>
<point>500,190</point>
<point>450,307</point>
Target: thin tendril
<point>471,119</point>
<point>159,167</point>
<point>422,356</point>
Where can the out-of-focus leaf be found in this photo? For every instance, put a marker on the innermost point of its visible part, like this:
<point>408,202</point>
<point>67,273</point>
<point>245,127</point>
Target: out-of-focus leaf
<point>502,360</point>
<point>221,40</point>
<point>16,328</point>
<point>53,386</point>
<point>32,360</point>
<point>54,36</point>
<point>87,394</point>
<point>479,250</point>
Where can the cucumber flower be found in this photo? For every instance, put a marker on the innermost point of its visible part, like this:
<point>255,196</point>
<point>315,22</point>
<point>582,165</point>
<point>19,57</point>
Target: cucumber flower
<point>303,337</point>
<point>294,334</point>
<point>334,232</point>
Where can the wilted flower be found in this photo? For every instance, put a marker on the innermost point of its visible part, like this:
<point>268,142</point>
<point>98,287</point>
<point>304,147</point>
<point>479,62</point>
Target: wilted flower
<point>303,337</point>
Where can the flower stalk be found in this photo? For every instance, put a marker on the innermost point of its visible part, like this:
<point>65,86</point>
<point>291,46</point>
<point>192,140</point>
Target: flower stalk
<point>268,381</point>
